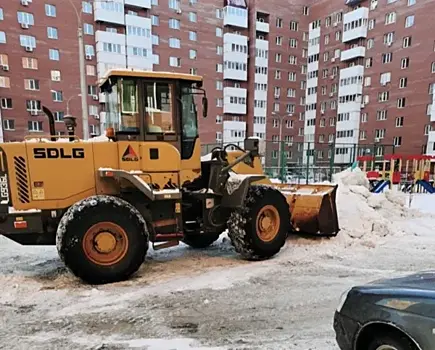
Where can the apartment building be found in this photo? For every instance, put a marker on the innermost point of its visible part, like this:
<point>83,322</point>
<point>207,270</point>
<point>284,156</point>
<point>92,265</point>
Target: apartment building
<point>370,79</point>
<point>349,73</point>
<point>39,66</point>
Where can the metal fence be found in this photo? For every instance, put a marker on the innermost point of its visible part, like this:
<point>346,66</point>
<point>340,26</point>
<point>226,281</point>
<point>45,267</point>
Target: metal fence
<point>306,162</point>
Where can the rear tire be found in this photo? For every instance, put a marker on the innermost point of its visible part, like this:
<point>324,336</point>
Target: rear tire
<point>259,230</point>
<point>102,239</point>
<point>200,241</point>
<point>389,342</point>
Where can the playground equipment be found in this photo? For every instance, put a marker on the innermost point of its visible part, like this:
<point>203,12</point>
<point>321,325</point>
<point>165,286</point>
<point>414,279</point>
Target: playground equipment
<point>410,173</point>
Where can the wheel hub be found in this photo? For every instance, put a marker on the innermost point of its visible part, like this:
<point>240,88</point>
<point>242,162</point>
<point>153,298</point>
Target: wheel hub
<point>268,221</point>
<point>105,242</point>
<point>386,347</point>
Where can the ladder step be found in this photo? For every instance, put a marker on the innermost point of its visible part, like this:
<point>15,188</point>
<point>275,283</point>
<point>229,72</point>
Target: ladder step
<point>164,222</point>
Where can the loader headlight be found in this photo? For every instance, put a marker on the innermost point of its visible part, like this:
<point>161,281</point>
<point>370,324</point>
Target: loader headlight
<point>343,299</point>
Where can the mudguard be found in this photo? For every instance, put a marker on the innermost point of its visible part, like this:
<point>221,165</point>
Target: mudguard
<point>237,187</point>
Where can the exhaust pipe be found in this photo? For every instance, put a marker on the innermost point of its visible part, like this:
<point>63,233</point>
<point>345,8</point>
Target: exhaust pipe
<point>50,122</point>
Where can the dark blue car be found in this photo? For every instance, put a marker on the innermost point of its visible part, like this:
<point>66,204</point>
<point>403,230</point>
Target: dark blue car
<point>390,314</point>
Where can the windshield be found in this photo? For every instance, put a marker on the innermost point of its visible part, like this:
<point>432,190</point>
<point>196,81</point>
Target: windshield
<point>159,111</point>
<point>189,114</point>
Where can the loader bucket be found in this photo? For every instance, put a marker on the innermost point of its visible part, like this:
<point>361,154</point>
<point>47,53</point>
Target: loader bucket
<point>313,208</point>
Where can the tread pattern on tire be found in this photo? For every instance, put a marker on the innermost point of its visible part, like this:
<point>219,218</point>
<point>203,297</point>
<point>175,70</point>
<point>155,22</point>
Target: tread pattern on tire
<point>76,211</point>
<point>397,339</point>
<point>240,219</point>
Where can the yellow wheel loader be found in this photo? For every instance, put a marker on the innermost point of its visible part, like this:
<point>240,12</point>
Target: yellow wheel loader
<point>101,203</point>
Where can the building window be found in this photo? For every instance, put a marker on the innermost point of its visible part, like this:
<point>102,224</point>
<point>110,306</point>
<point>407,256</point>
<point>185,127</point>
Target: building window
<point>399,122</point>
<point>192,54</point>
<point>29,63</point>
<point>293,43</point>
<point>192,17</point>
<point>174,43</point>
<point>5,82</point>
<point>31,84</point>
<point>193,71</point>
<point>9,124</point>
<point>90,50</point>
<point>154,20</point>
<point>52,33</point>
<point>86,7</point>
<point>55,75</point>
<point>278,40</point>
<point>219,85</point>
<point>57,96</point>
<point>219,68</point>
<point>279,22</point>
<point>406,42</point>
<point>175,61</point>
<point>219,50</point>
<point>387,57</point>
<point>401,102</point>
<point>114,48</point>
<point>34,126</point>
<point>294,26</point>
<point>1,14</point>
<point>155,39</point>
<point>404,63</point>
<point>219,32</point>
<point>174,4</point>
<point>91,70</point>
<point>403,83</point>
<point>433,67</point>
<point>174,23</point>
<point>390,18</point>
<point>411,2</point>
<point>397,141</point>
<point>54,54</point>
<point>50,10</point>
<point>88,29</point>
<point>409,21</point>
<point>25,18</point>
<point>192,36</point>
<point>2,37</point>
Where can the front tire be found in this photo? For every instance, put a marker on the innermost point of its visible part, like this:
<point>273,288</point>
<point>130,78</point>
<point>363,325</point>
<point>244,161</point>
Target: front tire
<point>102,239</point>
<point>259,230</point>
<point>389,342</point>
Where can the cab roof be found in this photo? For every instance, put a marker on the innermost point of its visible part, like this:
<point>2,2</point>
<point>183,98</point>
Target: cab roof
<point>137,73</point>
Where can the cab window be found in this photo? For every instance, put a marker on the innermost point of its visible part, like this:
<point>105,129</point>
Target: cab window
<point>188,114</point>
<point>129,106</point>
<point>159,109</point>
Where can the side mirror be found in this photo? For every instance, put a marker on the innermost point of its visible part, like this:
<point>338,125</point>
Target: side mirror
<point>204,107</point>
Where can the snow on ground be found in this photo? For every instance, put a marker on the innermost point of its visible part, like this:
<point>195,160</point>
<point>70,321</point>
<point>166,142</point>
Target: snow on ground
<point>211,299</point>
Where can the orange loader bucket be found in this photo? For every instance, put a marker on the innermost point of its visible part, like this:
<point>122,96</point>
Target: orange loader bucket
<point>313,208</point>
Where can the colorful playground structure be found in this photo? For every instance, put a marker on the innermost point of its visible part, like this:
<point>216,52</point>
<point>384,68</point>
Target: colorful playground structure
<point>408,173</point>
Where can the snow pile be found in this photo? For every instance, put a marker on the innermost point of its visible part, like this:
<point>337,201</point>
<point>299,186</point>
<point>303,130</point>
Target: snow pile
<point>368,216</point>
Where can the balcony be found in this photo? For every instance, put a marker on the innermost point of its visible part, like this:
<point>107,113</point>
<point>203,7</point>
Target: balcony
<point>350,72</point>
<point>351,54</point>
<point>236,17</point>
<point>235,100</point>
<point>355,24</point>
<point>430,150</point>
<point>234,132</point>
<point>146,4</point>
<point>111,12</point>
<point>432,109</point>
<point>262,27</point>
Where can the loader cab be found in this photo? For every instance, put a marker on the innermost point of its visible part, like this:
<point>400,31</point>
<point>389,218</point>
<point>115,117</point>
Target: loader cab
<point>154,106</point>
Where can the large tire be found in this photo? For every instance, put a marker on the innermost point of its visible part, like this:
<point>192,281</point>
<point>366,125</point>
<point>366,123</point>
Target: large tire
<point>102,239</point>
<point>200,241</point>
<point>245,226</point>
<point>390,341</point>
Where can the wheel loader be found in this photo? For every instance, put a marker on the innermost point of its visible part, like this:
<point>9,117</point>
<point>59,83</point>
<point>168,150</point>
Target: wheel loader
<point>102,203</point>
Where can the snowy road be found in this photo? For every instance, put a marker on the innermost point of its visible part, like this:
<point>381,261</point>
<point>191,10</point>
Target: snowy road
<point>184,299</point>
